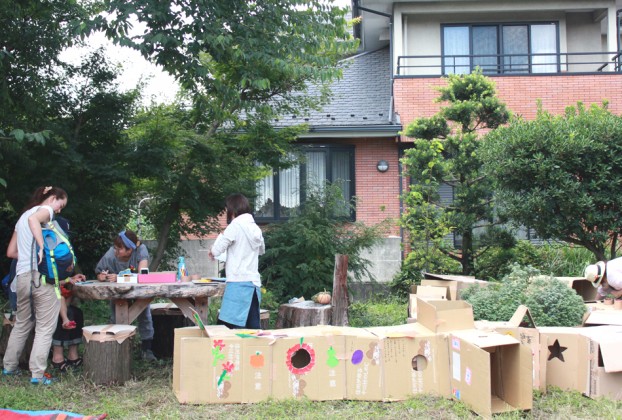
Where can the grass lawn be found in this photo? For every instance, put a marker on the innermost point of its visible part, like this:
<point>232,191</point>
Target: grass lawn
<point>149,395</point>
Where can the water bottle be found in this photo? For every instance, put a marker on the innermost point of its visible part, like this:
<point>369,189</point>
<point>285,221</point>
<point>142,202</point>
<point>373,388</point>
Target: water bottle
<point>181,268</point>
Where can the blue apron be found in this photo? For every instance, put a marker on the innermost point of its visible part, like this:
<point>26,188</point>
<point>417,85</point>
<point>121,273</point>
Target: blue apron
<point>236,302</point>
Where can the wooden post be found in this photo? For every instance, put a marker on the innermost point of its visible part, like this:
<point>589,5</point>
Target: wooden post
<point>340,299</point>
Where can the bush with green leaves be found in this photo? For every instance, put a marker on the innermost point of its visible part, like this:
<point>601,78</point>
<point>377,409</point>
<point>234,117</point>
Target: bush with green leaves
<point>555,259</point>
<point>551,302</point>
<point>300,253</point>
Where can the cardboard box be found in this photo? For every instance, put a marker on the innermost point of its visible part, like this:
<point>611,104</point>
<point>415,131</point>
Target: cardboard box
<point>605,362</point>
<point>581,285</point>
<point>566,352</point>
<point>424,292</point>
<point>601,314</point>
<point>523,328</point>
<point>585,359</point>
<point>444,316</point>
<point>157,277</point>
<point>308,362</point>
<point>454,284</point>
<point>413,360</point>
<point>490,372</point>
<point>227,367</point>
<point>127,278</point>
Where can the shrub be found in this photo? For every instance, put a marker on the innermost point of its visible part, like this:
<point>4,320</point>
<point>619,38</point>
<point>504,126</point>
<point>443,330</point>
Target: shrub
<point>377,312</point>
<point>300,253</point>
<point>551,302</point>
<point>555,259</point>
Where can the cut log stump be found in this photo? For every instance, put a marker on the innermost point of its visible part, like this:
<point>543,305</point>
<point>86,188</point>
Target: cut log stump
<point>108,353</point>
<point>7,327</point>
<point>303,314</point>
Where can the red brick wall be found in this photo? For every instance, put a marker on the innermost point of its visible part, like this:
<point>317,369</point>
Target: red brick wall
<point>414,97</point>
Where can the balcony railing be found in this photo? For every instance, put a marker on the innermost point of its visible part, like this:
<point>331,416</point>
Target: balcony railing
<point>510,64</point>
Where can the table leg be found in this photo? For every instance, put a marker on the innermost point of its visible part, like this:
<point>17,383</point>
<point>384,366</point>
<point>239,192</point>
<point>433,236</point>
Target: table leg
<point>187,305</point>
<point>121,310</point>
<point>126,313</point>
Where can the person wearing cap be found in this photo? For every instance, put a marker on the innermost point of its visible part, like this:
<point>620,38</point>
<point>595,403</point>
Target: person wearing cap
<point>606,276</point>
<point>128,252</point>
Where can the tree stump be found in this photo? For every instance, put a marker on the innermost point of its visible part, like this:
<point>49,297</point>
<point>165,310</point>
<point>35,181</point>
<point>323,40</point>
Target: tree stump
<point>166,317</point>
<point>303,314</point>
<point>108,353</point>
<point>264,319</point>
<point>7,327</point>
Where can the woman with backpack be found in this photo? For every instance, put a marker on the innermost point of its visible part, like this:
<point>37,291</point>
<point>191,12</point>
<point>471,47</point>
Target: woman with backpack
<point>37,303</point>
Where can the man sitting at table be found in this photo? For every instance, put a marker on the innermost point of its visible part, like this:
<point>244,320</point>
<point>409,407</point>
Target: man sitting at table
<point>128,252</point>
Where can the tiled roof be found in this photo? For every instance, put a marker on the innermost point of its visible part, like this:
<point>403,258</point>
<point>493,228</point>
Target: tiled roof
<point>361,98</point>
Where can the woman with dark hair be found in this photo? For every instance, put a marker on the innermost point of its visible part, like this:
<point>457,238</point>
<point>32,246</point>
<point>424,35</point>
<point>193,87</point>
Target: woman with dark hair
<point>243,242</point>
<point>37,303</point>
<point>128,252</point>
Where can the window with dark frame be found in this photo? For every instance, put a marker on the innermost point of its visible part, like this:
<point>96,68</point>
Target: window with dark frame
<point>508,48</point>
<point>280,194</point>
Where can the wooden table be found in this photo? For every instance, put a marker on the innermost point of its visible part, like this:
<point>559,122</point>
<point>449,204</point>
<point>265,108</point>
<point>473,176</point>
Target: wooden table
<point>131,299</point>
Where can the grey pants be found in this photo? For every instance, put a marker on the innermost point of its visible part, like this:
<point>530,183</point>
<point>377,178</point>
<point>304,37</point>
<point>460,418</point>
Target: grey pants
<point>46,307</point>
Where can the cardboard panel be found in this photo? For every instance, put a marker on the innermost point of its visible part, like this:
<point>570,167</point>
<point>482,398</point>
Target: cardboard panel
<point>567,353</point>
<point>412,361</point>
<point>445,316</point>
<point>490,372</point>
<point>454,283</point>
<point>424,292</point>
<point>179,334</point>
<point>600,314</point>
<point>305,364</point>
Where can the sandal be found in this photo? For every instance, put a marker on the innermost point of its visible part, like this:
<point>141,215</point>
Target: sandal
<point>61,366</point>
<point>69,325</point>
<point>75,363</point>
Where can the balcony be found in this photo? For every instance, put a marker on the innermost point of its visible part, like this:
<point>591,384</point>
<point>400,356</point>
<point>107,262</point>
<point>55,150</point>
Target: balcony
<point>510,64</point>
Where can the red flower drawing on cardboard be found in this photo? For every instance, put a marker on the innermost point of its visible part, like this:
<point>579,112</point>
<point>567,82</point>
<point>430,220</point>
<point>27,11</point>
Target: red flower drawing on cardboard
<point>300,358</point>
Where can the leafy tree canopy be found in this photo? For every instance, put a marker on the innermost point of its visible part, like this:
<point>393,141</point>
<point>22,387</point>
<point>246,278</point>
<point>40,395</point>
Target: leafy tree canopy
<point>562,175</point>
<point>446,150</point>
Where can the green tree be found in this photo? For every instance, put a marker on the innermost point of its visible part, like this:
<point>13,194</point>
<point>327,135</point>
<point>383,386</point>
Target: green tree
<point>243,64</point>
<point>561,175</point>
<point>446,150</point>
<point>165,143</point>
<point>300,253</point>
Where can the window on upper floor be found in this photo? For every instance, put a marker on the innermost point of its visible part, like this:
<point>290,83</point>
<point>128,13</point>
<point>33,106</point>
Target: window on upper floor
<point>280,194</point>
<point>500,48</point>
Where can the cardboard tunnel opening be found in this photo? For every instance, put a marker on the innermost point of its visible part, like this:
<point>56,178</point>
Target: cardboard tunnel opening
<point>419,363</point>
<point>301,359</point>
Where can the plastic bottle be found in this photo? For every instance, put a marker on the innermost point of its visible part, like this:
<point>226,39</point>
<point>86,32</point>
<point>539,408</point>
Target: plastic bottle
<point>181,268</point>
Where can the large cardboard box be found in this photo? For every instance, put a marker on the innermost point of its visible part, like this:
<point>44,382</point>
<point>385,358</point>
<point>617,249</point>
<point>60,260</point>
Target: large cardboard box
<point>444,316</point>
<point>601,314</point>
<point>522,327</point>
<point>413,360</point>
<point>427,293</point>
<point>490,372</point>
<point>585,359</point>
<point>454,284</point>
<point>566,352</point>
<point>605,361</point>
<point>308,362</point>
<point>227,367</point>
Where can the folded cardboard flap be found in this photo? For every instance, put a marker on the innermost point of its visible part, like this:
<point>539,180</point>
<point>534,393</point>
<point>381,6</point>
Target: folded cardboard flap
<point>445,316</point>
<point>424,292</point>
<point>581,285</point>
<point>454,283</point>
<point>518,319</point>
<point>600,314</point>
<point>609,340</point>
<point>110,332</point>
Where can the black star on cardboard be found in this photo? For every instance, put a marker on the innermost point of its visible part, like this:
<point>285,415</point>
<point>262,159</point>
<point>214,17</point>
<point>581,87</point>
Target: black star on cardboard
<point>556,351</point>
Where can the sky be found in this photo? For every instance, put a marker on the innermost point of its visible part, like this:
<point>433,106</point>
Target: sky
<point>160,87</point>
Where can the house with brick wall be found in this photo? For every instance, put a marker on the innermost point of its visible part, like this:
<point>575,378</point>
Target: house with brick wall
<point>553,52</point>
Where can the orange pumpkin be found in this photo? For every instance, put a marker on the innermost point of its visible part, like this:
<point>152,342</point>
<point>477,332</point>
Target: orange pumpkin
<point>323,298</point>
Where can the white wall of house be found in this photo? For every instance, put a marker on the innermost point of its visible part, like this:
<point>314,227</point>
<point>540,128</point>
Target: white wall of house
<point>417,26</point>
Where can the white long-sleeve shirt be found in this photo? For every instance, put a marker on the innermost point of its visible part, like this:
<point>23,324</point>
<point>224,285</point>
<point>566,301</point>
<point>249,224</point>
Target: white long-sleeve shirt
<point>243,242</point>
